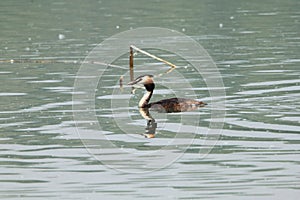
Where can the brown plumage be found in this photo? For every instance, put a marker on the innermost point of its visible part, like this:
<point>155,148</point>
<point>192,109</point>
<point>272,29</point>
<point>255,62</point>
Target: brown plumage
<point>176,105</point>
<point>165,105</point>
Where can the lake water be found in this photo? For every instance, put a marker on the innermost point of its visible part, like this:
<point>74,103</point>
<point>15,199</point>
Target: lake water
<point>48,151</point>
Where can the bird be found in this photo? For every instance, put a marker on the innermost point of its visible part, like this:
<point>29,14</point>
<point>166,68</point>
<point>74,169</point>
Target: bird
<point>165,105</point>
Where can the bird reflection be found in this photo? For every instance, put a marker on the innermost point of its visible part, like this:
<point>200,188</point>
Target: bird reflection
<point>151,124</point>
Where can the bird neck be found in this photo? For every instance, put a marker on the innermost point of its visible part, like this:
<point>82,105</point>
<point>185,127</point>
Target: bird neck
<point>145,99</point>
<point>147,96</point>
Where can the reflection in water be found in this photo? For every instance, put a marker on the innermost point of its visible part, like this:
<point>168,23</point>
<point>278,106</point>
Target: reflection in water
<point>151,124</point>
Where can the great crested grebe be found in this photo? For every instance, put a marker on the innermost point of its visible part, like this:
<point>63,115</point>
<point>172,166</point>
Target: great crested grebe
<point>165,105</point>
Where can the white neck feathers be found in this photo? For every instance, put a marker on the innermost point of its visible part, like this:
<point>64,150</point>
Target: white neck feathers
<point>145,99</point>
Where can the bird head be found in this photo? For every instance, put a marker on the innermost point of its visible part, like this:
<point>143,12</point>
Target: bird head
<point>144,80</point>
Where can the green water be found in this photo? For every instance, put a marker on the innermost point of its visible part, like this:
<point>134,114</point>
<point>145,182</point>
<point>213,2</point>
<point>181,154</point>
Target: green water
<point>255,45</point>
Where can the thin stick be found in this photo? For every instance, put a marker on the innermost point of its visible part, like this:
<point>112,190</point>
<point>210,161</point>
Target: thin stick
<point>131,64</point>
<point>121,83</point>
<point>131,72</point>
<point>166,72</point>
<point>152,56</point>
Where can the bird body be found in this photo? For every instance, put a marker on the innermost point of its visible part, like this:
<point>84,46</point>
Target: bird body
<point>175,105</point>
<point>165,105</point>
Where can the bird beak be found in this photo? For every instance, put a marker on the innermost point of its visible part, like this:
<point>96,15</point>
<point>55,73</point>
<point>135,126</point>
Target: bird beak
<point>133,82</point>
